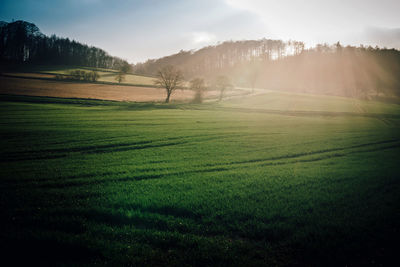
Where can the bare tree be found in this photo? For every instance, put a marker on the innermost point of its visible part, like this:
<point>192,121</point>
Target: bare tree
<point>120,77</point>
<point>222,83</point>
<point>169,78</point>
<point>124,68</point>
<point>198,86</point>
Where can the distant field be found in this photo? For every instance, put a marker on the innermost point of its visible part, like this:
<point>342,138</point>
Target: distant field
<point>41,81</point>
<point>109,76</point>
<point>290,102</point>
<point>23,85</point>
<point>272,179</point>
<point>106,75</point>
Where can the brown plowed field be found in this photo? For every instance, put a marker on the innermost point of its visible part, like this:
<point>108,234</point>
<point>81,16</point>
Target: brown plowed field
<point>38,87</point>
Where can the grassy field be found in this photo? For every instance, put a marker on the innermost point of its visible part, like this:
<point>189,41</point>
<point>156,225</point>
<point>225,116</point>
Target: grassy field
<point>28,86</point>
<point>32,80</point>
<point>106,75</point>
<point>273,179</point>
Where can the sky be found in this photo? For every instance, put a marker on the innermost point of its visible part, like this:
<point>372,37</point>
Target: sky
<point>137,30</point>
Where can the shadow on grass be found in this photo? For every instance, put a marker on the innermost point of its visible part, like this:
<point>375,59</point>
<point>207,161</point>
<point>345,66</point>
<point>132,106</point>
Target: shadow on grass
<point>61,153</point>
<point>387,100</point>
<point>47,251</point>
<point>99,102</point>
<point>75,181</point>
<point>57,100</point>
<point>150,105</point>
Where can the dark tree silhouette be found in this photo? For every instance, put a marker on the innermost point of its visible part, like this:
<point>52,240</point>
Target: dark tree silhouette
<point>198,85</point>
<point>125,67</point>
<point>22,42</point>
<point>222,83</point>
<point>123,70</point>
<point>120,77</point>
<point>169,78</point>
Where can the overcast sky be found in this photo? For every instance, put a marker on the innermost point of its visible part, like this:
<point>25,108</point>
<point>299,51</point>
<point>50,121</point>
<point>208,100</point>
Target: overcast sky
<point>137,30</point>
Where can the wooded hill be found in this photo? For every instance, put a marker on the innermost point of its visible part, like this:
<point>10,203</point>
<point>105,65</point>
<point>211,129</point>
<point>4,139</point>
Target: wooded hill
<point>274,64</point>
<point>22,42</point>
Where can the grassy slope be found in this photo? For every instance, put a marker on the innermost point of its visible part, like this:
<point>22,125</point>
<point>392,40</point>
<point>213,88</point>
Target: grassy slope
<point>106,75</point>
<point>118,183</point>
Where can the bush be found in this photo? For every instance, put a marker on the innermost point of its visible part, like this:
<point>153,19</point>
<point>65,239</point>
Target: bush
<point>94,76</point>
<point>75,75</point>
<point>81,75</point>
<point>59,76</point>
<point>198,97</point>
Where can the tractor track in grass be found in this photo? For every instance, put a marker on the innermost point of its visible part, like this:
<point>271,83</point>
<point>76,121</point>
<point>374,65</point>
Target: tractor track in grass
<point>310,153</point>
<point>94,149</point>
<point>275,161</point>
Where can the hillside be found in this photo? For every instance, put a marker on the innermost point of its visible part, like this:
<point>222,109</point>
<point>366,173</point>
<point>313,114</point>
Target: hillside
<point>22,42</point>
<point>361,72</point>
<point>42,80</point>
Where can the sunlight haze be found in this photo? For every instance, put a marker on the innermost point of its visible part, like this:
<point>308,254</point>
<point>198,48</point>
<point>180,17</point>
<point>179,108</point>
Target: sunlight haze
<point>200,132</point>
<point>138,30</point>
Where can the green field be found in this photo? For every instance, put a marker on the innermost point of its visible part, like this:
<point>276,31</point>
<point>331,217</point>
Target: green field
<point>275,179</point>
<point>106,75</point>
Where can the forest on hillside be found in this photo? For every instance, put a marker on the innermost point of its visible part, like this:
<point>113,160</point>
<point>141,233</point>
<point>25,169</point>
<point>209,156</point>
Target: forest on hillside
<point>22,42</point>
<point>361,72</point>
<point>273,64</point>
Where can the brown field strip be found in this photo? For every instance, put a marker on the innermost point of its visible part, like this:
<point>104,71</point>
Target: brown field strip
<point>38,87</point>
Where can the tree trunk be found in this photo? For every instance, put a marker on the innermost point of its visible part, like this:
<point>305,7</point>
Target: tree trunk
<point>168,95</point>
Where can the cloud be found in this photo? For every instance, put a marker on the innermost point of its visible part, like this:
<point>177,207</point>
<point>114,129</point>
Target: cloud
<point>249,5</point>
<point>388,37</point>
<point>319,21</point>
<point>259,8</point>
<point>286,19</point>
<point>199,38</point>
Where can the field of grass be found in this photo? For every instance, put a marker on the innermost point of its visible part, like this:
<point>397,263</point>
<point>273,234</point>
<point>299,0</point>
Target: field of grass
<point>106,75</point>
<point>265,180</point>
<point>37,80</point>
<point>28,86</point>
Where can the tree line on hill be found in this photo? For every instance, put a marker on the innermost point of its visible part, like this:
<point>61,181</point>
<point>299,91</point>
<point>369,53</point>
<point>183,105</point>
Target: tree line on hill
<point>273,64</point>
<point>22,42</point>
<point>223,56</point>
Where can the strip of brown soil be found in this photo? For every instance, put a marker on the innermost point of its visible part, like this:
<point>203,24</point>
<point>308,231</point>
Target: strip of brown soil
<point>35,87</point>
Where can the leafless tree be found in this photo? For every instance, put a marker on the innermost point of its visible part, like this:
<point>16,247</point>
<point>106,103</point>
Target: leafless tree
<point>120,77</point>
<point>170,78</point>
<point>198,85</point>
<point>222,83</point>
